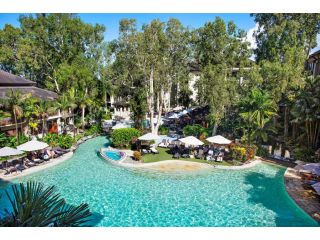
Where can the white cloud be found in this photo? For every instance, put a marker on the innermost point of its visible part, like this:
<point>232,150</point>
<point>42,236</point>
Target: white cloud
<point>250,36</point>
<point>318,45</point>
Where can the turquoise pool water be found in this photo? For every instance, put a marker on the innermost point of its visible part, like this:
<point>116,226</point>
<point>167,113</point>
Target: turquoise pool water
<point>126,197</point>
<point>114,155</point>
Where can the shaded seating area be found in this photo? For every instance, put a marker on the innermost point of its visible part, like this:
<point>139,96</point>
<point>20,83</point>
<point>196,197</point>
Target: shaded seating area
<point>28,155</point>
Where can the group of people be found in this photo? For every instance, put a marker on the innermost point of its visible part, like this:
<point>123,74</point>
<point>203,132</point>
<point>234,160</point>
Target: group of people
<point>32,159</point>
<point>206,152</point>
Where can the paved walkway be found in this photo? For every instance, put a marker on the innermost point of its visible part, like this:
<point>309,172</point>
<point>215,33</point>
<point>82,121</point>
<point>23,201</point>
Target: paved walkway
<point>306,199</point>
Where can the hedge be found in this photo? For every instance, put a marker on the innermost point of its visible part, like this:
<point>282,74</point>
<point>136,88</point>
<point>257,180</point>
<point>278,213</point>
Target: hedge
<point>122,137</point>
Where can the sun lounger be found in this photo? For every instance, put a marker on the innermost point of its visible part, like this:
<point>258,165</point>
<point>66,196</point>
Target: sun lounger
<point>29,163</point>
<point>154,151</point>
<point>176,155</point>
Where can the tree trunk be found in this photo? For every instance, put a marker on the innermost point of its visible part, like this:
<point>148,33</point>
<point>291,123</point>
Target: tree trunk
<point>151,100</point>
<point>286,124</point>
<point>43,123</point>
<point>159,112</point>
<point>16,124</point>
<point>82,116</point>
<point>215,128</point>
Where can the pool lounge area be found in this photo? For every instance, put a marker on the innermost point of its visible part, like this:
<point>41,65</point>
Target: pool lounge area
<point>120,196</point>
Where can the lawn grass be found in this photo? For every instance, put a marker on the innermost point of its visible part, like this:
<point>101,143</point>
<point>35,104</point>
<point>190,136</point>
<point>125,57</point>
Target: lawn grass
<point>165,155</point>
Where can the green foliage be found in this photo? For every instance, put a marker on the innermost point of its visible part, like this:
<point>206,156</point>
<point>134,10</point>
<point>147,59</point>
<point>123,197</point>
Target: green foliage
<point>304,154</point>
<point>123,137</point>
<point>63,141</point>
<point>163,130</point>
<point>12,141</point>
<point>195,130</point>
<point>257,109</point>
<point>34,205</point>
<point>262,152</point>
<point>52,139</point>
<point>93,130</point>
<point>239,153</point>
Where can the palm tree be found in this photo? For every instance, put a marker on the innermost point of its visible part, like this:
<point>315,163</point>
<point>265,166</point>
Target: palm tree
<point>83,101</point>
<point>44,109</point>
<point>65,103</point>
<point>306,112</point>
<point>34,205</point>
<point>257,109</point>
<point>14,102</point>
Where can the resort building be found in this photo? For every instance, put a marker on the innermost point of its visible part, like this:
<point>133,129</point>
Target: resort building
<point>313,63</point>
<point>13,82</point>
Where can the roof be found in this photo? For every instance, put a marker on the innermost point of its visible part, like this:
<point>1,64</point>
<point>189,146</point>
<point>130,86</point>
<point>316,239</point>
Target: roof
<point>314,56</point>
<point>36,92</point>
<point>10,82</point>
<point>8,79</point>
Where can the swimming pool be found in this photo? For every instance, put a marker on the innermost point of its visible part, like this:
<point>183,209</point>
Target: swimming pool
<point>113,155</point>
<point>130,197</point>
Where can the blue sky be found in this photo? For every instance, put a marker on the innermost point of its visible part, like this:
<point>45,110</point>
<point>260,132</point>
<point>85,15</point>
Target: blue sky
<point>192,20</point>
<point>111,20</point>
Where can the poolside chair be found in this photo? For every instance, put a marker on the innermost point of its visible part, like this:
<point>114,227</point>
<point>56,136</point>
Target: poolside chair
<point>200,154</point>
<point>154,151</point>
<point>176,155</point>
<point>29,163</point>
<point>220,157</point>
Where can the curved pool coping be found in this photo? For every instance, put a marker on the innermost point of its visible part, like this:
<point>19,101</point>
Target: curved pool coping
<point>35,169</point>
<point>302,197</point>
<point>179,163</point>
<point>112,150</point>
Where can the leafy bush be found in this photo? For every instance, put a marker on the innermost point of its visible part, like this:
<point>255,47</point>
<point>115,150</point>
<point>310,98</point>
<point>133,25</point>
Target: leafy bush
<point>123,137</point>
<point>52,139</point>
<point>195,130</point>
<point>243,153</point>
<point>137,155</point>
<point>304,154</point>
<point>262,152</point>
<point>11,141</point>
<point>163,130</point>
<point>93,130</point>
<point>239,153</point>
<point>63,141</point>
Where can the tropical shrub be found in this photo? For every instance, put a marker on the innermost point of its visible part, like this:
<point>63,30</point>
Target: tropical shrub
<point>52,139</point>
<point>262,152</point>
<point>93,130</point>
<point>63,141</point>
<point>239,153</point>
<point>195,130</point>
<point>304,154</point>
<point>123,137</point>
<point>11,141</point>
<point>137,155</point>
<point>163,130</point>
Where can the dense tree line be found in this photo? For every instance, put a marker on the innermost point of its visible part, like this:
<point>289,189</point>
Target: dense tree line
<point>272,99</point>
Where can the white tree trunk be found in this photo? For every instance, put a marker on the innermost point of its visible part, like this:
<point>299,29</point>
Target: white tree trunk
<point>150,98</point>
<point>159,112</point>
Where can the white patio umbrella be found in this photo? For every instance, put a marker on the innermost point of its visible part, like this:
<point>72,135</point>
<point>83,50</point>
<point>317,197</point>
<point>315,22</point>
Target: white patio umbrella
<point>191,140</point>
<point>32,145</point>
<point>8,151</point>
<point>218,139</point>
<point>120,125</point>
<point>174,116</point>
<point>149,137</point>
